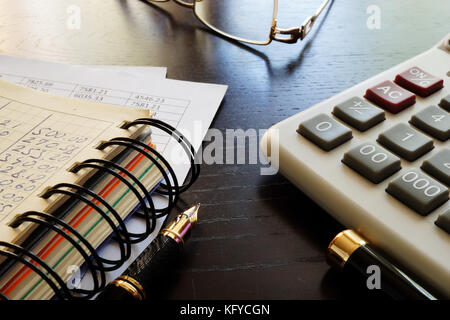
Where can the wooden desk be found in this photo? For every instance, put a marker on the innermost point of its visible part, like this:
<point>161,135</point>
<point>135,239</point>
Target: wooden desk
<point>259,237</point>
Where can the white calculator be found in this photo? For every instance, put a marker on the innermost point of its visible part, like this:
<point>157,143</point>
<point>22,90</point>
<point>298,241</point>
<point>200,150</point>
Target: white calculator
<point>377,158</point>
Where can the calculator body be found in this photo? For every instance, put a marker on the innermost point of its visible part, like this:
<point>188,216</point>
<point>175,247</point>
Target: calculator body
<point>413,240</point>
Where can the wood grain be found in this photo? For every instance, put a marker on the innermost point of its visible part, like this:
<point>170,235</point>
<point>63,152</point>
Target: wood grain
<point>259,237</point>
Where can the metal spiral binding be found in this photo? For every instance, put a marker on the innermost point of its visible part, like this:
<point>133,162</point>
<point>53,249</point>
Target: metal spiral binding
<point>172,195</point>
<point>115,264</point>
<point>122,235</point>
<point>180,138</point>
<point>65,230</point>
<point>33,260</point>
<point>176,186</point>
<point>149,213</point>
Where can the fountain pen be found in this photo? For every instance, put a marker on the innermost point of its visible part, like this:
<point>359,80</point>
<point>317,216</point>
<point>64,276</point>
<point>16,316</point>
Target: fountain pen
<point>353,255</point>
<point>146,274</point>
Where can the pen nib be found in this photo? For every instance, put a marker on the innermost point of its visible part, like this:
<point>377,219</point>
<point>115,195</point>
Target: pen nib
<point>192,213</point>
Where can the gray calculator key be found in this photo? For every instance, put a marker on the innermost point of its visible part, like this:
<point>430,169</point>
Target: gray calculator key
<point>359,113</point>
<point>325,132</point>
<point>439,166</point>
<point>434,121</point>
<point>372,161</point>
<point>443,221</point>
<point>418,191</point>
<point>445,103</point>
<point>405,141</point>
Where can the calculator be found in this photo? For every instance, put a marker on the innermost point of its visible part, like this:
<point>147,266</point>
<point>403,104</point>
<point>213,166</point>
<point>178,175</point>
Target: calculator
<point>377,158</point>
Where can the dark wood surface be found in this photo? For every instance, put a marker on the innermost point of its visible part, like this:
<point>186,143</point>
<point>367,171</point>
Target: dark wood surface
<point>259,237</point>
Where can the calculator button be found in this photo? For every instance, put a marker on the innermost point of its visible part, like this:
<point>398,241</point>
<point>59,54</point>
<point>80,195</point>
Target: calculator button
<point>372,162</point>
<point>405,141</point>
<point>434,121</point>
<point>445,103</point>
<point>325,132</point>
<point>418,191</point>
<point>443,221</point>
<point>439,166</point>
<point>359,113</point>
<point>419,81</point>
<point>390,96</point>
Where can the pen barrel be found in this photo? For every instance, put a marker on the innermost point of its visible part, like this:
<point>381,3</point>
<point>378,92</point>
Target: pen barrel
<point>155,263</point>
<point>146,275</point>
<point>369,264</point>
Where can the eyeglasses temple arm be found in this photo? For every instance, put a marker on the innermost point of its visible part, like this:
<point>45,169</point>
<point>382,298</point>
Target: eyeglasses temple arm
<point>298,33</point>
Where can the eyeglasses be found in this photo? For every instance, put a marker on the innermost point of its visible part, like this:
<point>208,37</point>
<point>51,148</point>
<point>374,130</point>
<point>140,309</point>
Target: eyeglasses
<point>259,26</point>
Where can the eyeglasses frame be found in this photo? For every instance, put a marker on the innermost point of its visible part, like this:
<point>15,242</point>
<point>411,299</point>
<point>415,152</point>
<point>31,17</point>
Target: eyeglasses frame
<point>290,35</point>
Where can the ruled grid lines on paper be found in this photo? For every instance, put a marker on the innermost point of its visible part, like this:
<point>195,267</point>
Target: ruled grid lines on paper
<point>3,106</point>
<point>167,109</point>
<point>35,143</point>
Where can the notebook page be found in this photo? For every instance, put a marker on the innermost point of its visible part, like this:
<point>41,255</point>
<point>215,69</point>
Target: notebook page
<point>41,135</point>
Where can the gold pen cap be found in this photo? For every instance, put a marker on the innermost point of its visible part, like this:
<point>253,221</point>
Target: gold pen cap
<point>179,228</point>
<point>342,247</point>
<point>125,288</point>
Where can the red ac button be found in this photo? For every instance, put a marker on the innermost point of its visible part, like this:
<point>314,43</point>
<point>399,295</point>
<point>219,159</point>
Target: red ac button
<point>390,96</point>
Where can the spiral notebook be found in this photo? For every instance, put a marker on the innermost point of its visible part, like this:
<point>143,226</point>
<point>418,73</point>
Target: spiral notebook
<point>71,172</point>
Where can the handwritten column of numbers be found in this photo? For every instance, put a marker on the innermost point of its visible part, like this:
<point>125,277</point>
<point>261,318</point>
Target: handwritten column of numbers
<point>31,150</point>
